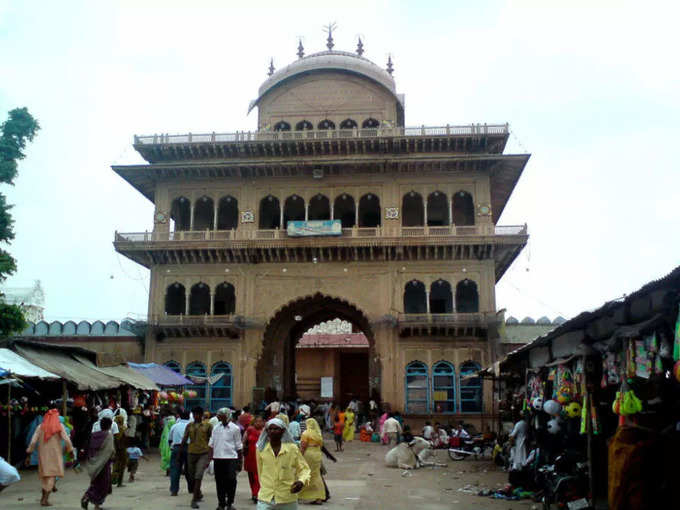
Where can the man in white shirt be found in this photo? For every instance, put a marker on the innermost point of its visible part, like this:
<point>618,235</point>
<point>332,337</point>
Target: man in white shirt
<point>178,455</point>
<point>427,431</point>
<point>391,429</point>
<point>226,452</point>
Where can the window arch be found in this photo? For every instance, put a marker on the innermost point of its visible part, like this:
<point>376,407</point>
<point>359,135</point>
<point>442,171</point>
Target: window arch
<point>414,297</point>
<point>304,125</point>
<point>319,208</point>
<point>196,369</point>
<point>293,210</point>
<point>326,124</point>
<point>370,123</point>
<point>344,210</point>
<point>180,212</point>
<point>463,209</point>
<point>348,124</point>
<point>282,126</point>
<point>175,299</point>
<point>227,213</point>
<point>369,211</point>
<point>470,388</point>
<point>412,210</point>
<point>443,388</point>
<point>441,297</point>
<point>220,391</point>
<point>225,299</point>
<point>270,213</point>
<point>467,297</point>
<point>437,209</point>
<point>417,388</point>
<point>199,299</point>
<point>204,213</point>
<point>174,366</point>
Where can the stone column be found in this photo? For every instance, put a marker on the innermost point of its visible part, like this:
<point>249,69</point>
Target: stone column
<point>191,215</point>
<point>212,303</point>
<point>332,211</point>
<point>427,300</point>
<point>215,209</point>
<point>356,214</point>
<point>281,225</point>
<point>448,201</point>
<point>425,213</point>
<point>307,211</point>
<point>187,297</point>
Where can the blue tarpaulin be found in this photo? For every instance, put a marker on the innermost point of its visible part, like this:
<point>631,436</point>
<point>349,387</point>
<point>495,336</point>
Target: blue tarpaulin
<point>161,375</point>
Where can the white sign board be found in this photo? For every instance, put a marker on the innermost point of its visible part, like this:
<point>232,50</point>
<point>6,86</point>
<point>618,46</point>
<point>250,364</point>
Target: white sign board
<point>326,387</point>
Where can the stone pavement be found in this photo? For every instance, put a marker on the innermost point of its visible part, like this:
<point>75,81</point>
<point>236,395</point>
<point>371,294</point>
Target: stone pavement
<point>357,481</point>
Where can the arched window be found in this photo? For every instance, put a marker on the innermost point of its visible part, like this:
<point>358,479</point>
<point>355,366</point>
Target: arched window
<point>293,210</point>
<point>220,391</point>
<point>326,124</point>
<point>199,299</point>
<point>227,213</point>
<point>412,210</point>
<point>437,209</point>
<point>414,297</point>
<point>174,366</point>
<point>204,213</point>
<point>370,123</point>
<point>369,211</point>
<point>443,388</point>
<point>304,125</point>
<point>196,369</point>
<point>282,126</point>
<point>180,212</point>
<point>175,299</point>
<point>225,299</point>
<point>467,298</point>
<point>319,208</point>
<point>463,209</point>
<point>270,213</point>
<point>470,388</point>
<point>441,297</point>
<point>345,210</point>
<point>417,388</point>
<point>348,124</point>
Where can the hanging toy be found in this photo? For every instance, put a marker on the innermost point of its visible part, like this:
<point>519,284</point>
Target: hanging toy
<point>554,426</point>
<point>537,404</point>
<point>573,410</point>
<point>566,390</point>
<point>552,407</point>
<point>676,371</point>
<point>676,342</point>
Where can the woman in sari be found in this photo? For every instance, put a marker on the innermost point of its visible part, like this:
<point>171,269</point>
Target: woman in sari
<point>164,446</point>
<point>252,434</point>
<point>120,446</point>
<point>310,446</point>
<point>348,431</point>
<point>48,437</point>
<point>99,453</point>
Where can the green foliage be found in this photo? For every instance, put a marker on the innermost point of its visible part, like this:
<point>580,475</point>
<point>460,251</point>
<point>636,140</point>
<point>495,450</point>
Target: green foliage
<point>11,319</point>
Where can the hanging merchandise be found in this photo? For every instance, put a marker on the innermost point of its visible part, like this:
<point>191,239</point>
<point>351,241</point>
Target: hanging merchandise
<point>554,426</point>
<point>676,341</point>
<point>630,359</point>
<point>565,384</point>
<point>676,371</point>
<point>626,402</point>
<point>643,360</point>
<point>573,410</point>
<point>552,407</point>
<point>537,403</point>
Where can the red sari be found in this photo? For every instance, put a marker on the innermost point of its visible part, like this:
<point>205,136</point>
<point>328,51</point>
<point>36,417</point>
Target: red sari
<point>250,461</point>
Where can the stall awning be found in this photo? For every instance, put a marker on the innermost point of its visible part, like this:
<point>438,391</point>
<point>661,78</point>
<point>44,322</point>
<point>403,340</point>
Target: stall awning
<point>159,374</point>
<point>67,367</point>
<point>12,363</point>
<point>123,373</point>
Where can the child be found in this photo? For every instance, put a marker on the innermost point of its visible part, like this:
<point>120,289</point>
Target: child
<point>134,454</point>
<point>337,431</point>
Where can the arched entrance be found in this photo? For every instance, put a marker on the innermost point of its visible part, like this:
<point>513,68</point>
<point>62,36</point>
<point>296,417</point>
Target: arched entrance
<point>276,367</point>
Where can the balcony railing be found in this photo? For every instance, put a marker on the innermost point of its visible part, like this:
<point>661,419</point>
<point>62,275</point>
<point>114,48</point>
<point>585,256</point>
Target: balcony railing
<point>444,319</point>
<point>356,232</point>
<point>192,320</point>
<point>251,136</point>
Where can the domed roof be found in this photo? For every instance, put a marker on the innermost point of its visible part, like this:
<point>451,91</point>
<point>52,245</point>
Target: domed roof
<point>325,61</point>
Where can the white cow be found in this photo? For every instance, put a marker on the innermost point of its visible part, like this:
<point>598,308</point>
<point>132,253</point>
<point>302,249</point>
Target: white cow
<point>411,455</point>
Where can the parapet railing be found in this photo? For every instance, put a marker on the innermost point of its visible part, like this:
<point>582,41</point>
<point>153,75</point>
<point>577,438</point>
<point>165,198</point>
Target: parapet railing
<point>355,232</point>
<point>264,135</point>
<point>422,319</point>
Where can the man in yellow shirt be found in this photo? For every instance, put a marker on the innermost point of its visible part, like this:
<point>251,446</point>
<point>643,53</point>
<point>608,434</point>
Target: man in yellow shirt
<point>282,470</point>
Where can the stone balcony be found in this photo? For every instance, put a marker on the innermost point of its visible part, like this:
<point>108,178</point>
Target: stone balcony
<point>458,324</point>
<point>174,326</point>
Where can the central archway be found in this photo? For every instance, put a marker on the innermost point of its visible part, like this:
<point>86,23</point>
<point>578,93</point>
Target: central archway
<point>275,371</point>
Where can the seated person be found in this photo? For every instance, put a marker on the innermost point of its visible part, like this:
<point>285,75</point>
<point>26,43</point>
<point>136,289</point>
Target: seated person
<point>428,431</point>
<point>440,439</point>
<point>460,432</point>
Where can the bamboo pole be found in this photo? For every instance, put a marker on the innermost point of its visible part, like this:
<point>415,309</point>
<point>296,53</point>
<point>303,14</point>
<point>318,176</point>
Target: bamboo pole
<point>9,423</point>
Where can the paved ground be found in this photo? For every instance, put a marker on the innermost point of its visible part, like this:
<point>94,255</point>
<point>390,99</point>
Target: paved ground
<point>358,481</point>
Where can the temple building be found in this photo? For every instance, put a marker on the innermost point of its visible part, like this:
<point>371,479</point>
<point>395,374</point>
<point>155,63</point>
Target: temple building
<point>332,209</point>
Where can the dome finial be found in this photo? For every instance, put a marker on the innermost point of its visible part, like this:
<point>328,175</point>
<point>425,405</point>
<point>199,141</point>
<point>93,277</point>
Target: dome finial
<point>271,67</point>
<point>301,50</point>
<point>329,42</point>
<point>390,67</point>
<point>360,47</point>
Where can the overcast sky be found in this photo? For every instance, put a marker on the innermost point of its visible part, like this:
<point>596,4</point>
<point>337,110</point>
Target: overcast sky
<point>591,92</point>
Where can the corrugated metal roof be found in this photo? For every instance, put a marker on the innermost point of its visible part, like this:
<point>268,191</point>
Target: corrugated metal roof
<point>12,363</point>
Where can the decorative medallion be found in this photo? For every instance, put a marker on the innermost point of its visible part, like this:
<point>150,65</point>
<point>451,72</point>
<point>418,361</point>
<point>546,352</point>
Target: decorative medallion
<point>484,209</point>
<point>161,217</point>
<point>247,217</point>
<point>391,213</point>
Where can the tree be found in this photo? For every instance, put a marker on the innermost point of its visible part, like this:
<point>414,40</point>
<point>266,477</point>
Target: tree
<point>19,128</point>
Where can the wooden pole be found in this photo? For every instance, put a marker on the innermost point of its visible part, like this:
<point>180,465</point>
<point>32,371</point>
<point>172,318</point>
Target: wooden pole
<point>64,397</point>
<point>589,429</point>
<point>9,423</point>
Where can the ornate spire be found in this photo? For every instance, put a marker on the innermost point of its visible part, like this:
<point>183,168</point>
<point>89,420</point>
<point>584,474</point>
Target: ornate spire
<point>301,50</point>
<point>390,67</point>
<point>360,47</point>
<point>271,67</point>
<point>329,42</point>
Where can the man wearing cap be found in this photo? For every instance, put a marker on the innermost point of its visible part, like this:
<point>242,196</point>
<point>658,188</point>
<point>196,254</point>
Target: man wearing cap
<point>282,470</point>
<point>226,452</point>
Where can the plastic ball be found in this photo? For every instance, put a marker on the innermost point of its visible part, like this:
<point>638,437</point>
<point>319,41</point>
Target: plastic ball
<point>554,426</point>
<point>573,410</point>
<point>676,370</point>
<point>186,394</point>
<point>537,403</point>
<point>552,407</point>
<point>163,395</point>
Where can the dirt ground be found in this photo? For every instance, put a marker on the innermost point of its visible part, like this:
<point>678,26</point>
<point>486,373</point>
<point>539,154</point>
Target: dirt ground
<point>358,480</point>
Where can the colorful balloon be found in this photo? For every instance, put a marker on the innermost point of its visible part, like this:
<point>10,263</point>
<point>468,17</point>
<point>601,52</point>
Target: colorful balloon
<point>552,407</point>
